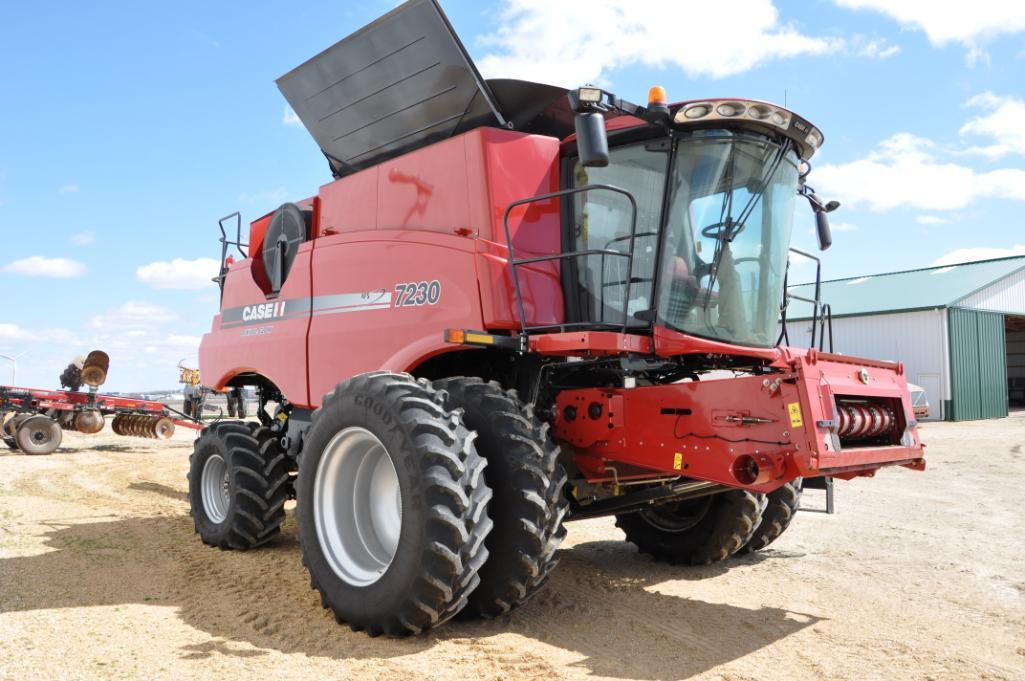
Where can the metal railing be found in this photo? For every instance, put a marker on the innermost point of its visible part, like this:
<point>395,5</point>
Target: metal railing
<point>242,248</point>
<point>515,262</point>
<point>821,315</point>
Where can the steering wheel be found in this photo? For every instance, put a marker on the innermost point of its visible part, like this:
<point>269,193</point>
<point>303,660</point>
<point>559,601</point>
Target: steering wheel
<point>715,230</point>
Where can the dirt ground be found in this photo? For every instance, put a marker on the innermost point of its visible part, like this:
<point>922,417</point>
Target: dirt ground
<point>917,576</point>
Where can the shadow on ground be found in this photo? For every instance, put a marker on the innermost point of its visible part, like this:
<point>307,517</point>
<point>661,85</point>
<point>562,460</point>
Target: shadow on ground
<point>602,604</point>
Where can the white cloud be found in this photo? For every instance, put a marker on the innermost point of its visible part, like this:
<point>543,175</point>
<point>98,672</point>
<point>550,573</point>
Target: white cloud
<point>969,24</point>
<point>1003,123</point>
<point>271,196</point>
<point>83,238</point>
<point>38,266</point>
<point>71,188</point>
<point>14,332</point>
<point>290,118</point>
<point>572,42</point>
<point>931,220</point>
<point>132,316</point>
<point>904,171</point>
<point>179,273</point>
<point>872,49</point>
<point>972,254</point>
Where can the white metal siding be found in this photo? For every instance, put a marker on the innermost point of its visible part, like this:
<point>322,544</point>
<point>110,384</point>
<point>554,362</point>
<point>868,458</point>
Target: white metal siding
<point>1004,295</point>
<point>919,339</point>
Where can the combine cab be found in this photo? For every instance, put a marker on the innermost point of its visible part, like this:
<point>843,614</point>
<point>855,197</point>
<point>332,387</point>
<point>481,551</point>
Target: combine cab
<point>507,311</point>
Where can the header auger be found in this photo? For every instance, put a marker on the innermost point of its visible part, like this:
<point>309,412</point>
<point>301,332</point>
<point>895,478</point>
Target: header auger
<point>513,308</point>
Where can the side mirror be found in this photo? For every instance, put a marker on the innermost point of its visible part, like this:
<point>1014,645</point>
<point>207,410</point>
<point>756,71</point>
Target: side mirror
<point>821,210</point>
<point>592,142</point>
<point>822,228</point>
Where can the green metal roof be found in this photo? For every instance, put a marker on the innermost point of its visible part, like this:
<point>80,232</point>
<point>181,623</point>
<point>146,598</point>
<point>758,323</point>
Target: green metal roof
<point>929,287</point>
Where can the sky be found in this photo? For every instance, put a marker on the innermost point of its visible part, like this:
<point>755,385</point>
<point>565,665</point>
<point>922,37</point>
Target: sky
<point>128,129</point>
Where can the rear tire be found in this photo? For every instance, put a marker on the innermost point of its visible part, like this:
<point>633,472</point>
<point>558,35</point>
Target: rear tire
<point>696,532</point>
<point>238,484</point>
<point>38,435</point>
<point>422,474</point>
<point>777,514</point>
<point>527,482</point>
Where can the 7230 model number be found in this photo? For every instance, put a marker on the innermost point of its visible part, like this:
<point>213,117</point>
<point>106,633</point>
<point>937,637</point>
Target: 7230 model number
<point>417,293</point>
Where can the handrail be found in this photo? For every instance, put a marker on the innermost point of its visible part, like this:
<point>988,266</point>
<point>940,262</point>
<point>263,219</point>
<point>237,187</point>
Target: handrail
<point>822,313</point>
<point>514,263</point>
<point>225,242</point>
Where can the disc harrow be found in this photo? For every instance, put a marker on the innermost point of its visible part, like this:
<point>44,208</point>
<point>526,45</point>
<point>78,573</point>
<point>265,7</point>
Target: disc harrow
<point>143,425</point>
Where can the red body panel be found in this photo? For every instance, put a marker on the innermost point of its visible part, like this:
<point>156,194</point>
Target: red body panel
<point>713,430</point>
<point>431,215</point>
<point>274,348</point>
<point>361,320</point>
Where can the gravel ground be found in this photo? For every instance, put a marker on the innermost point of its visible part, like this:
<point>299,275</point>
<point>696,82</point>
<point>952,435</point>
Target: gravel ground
<point>917,576</point>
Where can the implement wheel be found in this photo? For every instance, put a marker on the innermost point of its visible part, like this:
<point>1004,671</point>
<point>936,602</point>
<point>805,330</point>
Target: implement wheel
<point>38,435</point>
<point>238,484</point>
<point>695,532</point>
<point>778,511</point>
<point>391,505</point>
<point>527,482</point>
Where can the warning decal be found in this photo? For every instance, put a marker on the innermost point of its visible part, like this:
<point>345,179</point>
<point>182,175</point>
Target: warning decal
<point>794,409</point>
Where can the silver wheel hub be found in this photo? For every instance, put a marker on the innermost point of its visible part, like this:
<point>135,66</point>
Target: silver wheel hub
<point>357,506</point>
<point>214,487</point>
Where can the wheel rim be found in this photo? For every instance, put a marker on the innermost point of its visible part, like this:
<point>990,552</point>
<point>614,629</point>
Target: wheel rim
<point>678,517</point>
<point>40,433</point>
<point>41,430</point>
<point>357,506</point>
<point>214,485</point>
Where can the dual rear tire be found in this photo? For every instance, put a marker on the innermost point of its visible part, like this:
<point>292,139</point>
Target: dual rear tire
<point>392,505</point>
<point>416,502</point>
<point>238,485</point>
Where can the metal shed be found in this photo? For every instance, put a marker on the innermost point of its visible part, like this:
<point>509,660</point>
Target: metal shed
<point>959,329</point>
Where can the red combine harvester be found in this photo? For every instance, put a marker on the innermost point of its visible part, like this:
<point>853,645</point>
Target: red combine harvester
<point>34,419</point>
<point>504,314</point>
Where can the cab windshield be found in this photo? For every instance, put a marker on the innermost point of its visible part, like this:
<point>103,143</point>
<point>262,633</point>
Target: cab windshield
<point>721,261</point>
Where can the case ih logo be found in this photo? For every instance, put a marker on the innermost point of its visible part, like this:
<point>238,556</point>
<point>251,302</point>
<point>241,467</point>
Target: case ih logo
<point>252,313</point>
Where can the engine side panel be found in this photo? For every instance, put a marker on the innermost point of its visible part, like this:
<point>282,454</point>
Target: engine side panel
<point>258,334</point>
<point>518,167</point>
<point>382,300</point>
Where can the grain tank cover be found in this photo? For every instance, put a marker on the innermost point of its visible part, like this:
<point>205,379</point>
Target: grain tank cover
<point>397,84</point>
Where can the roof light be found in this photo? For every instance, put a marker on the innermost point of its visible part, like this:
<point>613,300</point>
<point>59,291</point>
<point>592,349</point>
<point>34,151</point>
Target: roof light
<point>695,111</point>
<point>808,137</point>
<point>730,109</point>
<point>589,95</point>
<point>657,95</point>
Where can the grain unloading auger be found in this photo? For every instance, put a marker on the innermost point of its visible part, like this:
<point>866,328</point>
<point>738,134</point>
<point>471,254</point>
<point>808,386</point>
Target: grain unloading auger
<point>34,419</point>
<point>509,310</point>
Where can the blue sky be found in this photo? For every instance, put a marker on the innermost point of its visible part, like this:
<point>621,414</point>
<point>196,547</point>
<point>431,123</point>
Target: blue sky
<point>128,129</point>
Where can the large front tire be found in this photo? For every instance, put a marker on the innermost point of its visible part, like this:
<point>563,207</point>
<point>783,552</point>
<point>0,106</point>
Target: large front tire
<point>527,481</point>
<point>696,532</point>
<point>238,485</point>
<point>391,505</point>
